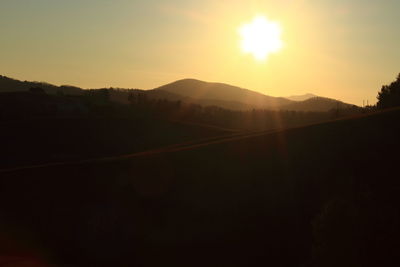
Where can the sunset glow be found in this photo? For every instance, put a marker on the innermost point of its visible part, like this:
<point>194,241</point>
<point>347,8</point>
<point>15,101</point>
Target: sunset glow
<point>338,49</point>
<point>261,37</point>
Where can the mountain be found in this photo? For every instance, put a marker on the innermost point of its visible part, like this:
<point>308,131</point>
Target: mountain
<point>205,91</point>
<point>301,97</point>
<point>13,85</point>
<point>320,104</point>
<point>236,98</point>
<point>197,92</point>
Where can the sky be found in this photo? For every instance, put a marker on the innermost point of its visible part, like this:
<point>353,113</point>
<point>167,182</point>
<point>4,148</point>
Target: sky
<point>343,49</point>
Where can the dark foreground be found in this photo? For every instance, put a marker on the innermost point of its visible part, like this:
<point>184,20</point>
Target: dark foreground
<point>323,195</point>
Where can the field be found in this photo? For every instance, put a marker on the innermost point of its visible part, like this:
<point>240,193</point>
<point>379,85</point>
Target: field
<point>320,195</point>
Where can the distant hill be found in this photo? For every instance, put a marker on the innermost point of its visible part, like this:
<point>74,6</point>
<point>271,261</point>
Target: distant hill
<point>232,97</point>
<point>301,97</point>
<point>197,92</point>
<point>162,94</point>
<point>13,85</point>
<point>206,91</point>
<point>318,104</point>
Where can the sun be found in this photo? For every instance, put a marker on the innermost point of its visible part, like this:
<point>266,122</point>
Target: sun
<point>261,37</point>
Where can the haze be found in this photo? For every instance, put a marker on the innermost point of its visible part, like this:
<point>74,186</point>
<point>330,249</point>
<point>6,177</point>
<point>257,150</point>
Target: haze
<point>339,49</point>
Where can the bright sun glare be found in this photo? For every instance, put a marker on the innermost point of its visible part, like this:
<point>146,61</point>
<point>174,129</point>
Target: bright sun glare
<point>261,37</point>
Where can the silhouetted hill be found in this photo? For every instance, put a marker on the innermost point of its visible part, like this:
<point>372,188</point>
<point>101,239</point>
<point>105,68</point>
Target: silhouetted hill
<point>122,96</point>
<point>206,91</point>
<point>160,94</point>
<point>232,97</point>
<point>13,85</point>
<point>118,95</point>
<point>191,91</point>
<point>44,140</point>
<point>22,105</point>
<point>301,97</point>
<point>320,104</point>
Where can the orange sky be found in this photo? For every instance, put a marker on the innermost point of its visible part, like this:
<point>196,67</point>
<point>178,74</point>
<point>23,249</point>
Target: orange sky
<point>340,49</point>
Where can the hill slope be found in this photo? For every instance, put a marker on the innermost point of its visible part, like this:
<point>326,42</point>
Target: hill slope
<point>13,85</point>
<point>310,196</point>
<point>28,141</point>
<point>196,89</point>
<point>301,97</point>
<point>318,104</point>
<point>232,97</point>
<point>193,91</point>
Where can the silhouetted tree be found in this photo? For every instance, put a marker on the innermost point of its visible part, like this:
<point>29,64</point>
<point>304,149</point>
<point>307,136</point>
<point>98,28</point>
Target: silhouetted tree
<point>100,96</point>
<point>389,96</point>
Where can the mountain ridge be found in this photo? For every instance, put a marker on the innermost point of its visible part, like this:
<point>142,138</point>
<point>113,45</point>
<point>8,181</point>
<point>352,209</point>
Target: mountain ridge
<point>196,92</point>
<point>301,97</point>
<point>198,89</point>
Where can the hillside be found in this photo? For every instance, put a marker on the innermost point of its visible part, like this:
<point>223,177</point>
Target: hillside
<point>160,94</point>
<point>196,89</point>
<point>232,97</point>
<point>192,91</point>
<point>13,85</point>
<point>301,97</point>
<point>46,140</point>
<point>309,196</point>
<point>320,104</point>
